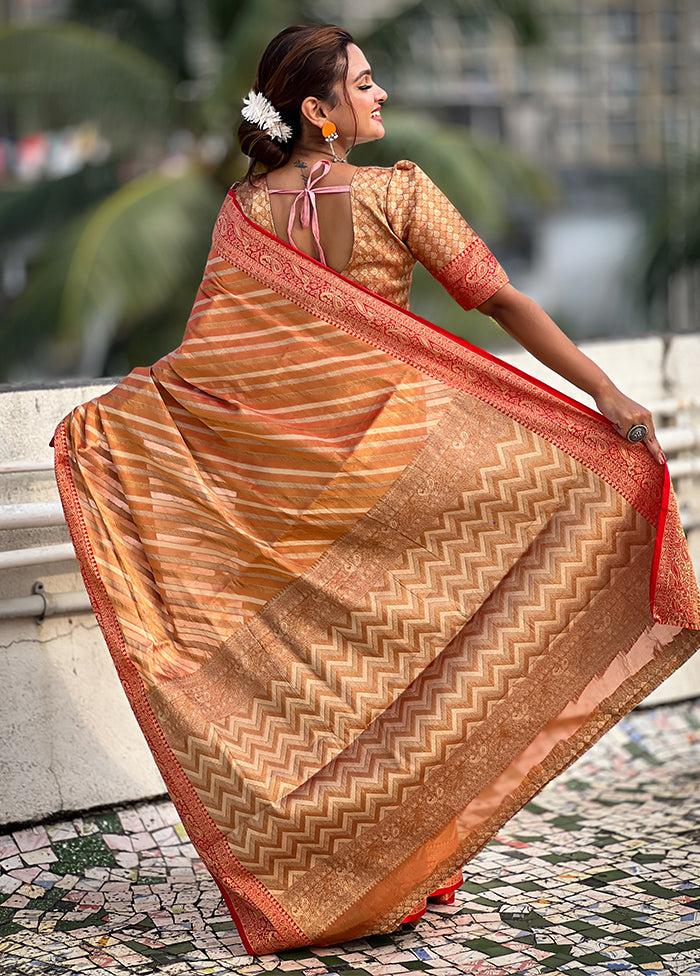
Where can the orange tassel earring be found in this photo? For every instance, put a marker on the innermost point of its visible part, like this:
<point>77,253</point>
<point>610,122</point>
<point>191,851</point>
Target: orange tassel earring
<point>330,134</point>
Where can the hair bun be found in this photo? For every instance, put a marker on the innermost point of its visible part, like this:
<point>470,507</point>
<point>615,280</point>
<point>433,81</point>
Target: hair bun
<point>257,145</point>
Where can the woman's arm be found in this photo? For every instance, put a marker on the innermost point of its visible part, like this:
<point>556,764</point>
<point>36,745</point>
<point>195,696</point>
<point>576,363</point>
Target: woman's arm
<point>530,325</point>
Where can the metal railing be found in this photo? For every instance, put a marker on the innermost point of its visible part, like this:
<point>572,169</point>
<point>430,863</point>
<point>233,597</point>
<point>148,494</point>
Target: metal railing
<point>683,436</point>
<point>42,604</point>
<point>33,515</point>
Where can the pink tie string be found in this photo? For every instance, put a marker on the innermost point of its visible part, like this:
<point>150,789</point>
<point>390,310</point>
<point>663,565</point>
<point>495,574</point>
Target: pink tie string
<point>308,214</point>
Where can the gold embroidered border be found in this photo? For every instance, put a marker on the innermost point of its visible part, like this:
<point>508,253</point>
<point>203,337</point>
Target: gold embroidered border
<point>473,276</point>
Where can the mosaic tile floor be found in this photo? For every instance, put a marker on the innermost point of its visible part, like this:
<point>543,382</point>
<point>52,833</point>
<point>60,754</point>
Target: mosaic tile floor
<point>600,875</point>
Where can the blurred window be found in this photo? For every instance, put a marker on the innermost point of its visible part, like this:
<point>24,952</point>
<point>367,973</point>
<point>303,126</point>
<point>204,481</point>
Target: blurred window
<point>525,83</point>
<point>488,119</point>
<point>477,73</point>
<point>480,117</point>
<point>670,23</point>
<point>623,131</point>
<point>570,135</point>
<point>568,75</point>
<point>622,78</point>
<point>670,77</point>
<point>622,24</point>
<point>675,128</point>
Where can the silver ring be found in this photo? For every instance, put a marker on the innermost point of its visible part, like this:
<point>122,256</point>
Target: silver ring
<point>637,433</point>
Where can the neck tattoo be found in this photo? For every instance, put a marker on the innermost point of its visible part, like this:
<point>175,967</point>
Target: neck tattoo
<point>301,166</point>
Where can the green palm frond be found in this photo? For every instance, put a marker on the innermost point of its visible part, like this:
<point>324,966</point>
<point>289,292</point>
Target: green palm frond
<point>116,266</point>
<point>134,246</point>
<point>64,74</point>
<point>30,208</point>
<point>159,29</point>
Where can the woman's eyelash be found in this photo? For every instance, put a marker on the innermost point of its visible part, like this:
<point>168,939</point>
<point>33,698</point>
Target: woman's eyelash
<point>364,87</point>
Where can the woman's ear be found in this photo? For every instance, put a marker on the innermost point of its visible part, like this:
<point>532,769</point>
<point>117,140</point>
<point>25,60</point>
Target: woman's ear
<point>312,110</point>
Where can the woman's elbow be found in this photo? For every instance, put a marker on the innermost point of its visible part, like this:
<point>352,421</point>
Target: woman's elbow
<point>505,300</point>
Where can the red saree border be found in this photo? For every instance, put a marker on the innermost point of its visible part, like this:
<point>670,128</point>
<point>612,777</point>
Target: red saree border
<point>661,526</point>
<point>338,313</point>
<point>578,430</point>
<point>474,275</point>
<point>256,935</point>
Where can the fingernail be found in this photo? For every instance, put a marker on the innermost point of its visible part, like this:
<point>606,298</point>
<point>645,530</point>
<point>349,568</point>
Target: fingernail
<point>663,459</point>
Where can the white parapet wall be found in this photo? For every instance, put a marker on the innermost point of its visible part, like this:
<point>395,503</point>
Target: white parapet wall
<point>69,739</point>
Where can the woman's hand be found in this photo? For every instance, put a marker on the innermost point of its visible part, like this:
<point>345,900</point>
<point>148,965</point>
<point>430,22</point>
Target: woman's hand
<point>624,414</point>
<point>530,325</point>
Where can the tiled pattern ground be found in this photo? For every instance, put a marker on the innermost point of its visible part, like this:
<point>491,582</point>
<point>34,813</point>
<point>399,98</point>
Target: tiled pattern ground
<point>600,875</point>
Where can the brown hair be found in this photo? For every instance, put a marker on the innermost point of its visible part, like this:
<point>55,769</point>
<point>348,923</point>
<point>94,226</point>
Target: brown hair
<point>301,61</point>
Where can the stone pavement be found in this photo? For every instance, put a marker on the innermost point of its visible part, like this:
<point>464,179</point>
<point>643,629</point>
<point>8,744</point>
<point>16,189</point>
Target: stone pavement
<point>601,874</point>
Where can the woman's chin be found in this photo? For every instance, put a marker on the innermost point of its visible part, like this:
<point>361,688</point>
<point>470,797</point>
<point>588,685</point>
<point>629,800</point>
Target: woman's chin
<point>374,137</point>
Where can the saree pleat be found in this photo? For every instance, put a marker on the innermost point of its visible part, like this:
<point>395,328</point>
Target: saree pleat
<point>367,588</point>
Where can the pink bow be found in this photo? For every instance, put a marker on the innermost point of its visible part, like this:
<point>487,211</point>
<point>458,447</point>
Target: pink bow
<point>307,198</point>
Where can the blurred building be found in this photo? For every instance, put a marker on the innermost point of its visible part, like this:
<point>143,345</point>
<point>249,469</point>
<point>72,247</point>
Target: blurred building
<point>616,82</point>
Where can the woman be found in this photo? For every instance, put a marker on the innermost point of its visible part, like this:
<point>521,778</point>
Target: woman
<point>367,588</point>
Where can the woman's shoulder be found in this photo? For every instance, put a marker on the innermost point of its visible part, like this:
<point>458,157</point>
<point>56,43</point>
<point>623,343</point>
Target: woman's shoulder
<point>387,181</point>
<point>402,168</point>
<point>245,189</point>
<point>253,201</point>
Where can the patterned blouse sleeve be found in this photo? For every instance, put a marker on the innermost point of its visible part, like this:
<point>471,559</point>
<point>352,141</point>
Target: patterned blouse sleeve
<point>439,237</point>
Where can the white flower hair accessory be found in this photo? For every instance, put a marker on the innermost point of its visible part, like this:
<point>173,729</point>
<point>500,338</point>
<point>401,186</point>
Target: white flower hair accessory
<point>261,112</point>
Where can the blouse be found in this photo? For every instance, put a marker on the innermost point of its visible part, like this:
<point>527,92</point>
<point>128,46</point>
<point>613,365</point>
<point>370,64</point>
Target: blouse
<point>400,217</point>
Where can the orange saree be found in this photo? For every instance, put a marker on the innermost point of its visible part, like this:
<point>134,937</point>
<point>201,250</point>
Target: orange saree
<point>367,588</point>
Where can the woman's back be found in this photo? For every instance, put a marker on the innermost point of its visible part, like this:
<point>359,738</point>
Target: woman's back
<point>312,201</point>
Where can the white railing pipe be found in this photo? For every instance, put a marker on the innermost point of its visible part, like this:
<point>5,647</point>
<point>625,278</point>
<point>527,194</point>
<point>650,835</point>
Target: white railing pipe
<point>36,555</point>
<point>31,515</point>
<point>25,467</point>
<point>673,405</point>
<point>679,438</point>
<point>42,604</point>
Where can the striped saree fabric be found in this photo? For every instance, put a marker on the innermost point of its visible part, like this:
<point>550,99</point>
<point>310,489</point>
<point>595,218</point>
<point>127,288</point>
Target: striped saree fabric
<point>367,588</point>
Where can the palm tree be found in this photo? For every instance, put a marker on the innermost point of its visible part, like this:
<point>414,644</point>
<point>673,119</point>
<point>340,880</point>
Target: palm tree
<point>118,246</point>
